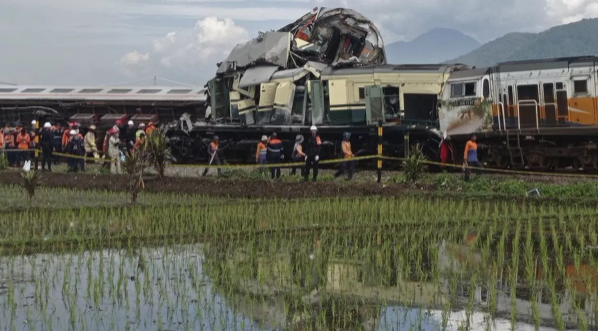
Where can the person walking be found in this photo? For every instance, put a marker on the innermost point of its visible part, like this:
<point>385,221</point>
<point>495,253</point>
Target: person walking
<point>298,155</point>
<point>212,154</point>
<point>46,141</point>
<point>348,154</point>
<point>140,142</point>
<point>470,157</point>
<point>129,135</point>
<point>91,148</point>
<point>314,146</point>
<point>114,152</point>
<point>275,154</point>
<point>261,151</point>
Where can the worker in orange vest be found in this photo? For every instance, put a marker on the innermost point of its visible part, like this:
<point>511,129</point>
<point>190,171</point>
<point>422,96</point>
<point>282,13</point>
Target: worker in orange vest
<point>140,141</point>
<point>150,128</point>
<point>348,154</point>
<point>275,154</point>
<point>260,153</point>
<point>23,143</point>
<point>470,157</point>
<point>213,155</point>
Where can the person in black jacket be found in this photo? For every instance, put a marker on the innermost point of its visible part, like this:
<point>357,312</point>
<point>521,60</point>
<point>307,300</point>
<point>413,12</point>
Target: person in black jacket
<point>46,141</point>
<point>314,145</point>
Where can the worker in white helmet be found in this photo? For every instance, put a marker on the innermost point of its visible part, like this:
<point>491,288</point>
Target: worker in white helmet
<point>314,146</point>
<point>76,148</point>
<point>130,135</point>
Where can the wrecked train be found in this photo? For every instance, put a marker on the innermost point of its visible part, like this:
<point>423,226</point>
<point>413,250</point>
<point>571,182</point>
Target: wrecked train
<point>326,69</point>
<point>329,69</point>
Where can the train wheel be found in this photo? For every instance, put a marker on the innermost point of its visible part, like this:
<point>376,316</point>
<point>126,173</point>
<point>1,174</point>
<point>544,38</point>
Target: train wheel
<point>536,160</point>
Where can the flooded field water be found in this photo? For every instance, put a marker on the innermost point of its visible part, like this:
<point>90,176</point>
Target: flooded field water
<point>532,269</point>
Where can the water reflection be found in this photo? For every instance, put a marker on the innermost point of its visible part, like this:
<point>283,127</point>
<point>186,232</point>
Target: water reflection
<point>321,281</point>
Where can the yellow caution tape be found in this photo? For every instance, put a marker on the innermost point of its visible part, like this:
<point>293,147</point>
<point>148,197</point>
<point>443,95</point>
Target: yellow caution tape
<point>276,165</point>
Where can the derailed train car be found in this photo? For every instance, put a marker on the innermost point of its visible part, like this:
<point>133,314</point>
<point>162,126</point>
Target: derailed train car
<point>538,114</point>
<point>326,69</point>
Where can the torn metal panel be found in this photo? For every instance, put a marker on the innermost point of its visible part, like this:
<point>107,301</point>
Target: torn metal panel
<point>257,75</point>
<point>270,47</point>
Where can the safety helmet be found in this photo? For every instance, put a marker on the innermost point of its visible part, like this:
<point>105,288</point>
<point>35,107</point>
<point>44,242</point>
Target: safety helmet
<point>299,138</point>
<point>112,131</point>
<point>118,122</point>
<point>73,132</point>
<point>92,127</point>
<point>346,135</point>
<point>33,122</point>
<point>131,123</point>
<point>264,138</point>
<point>142,125</point>
<point>47,125</point>
<point>313,128</point>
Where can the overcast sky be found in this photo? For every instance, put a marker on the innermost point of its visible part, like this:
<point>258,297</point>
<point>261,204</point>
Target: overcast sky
<point>92,42</point>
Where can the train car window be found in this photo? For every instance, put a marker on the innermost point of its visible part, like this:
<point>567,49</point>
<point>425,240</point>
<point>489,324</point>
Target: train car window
<point>559,86</point>
<point>580,86</point>
<point>510,95</point>
<point>486,88</point>
<point>456,90</point>
<point>361,93</point>
<point>527,92</point>
<point>548,93</point>
<point>470,89</point>
<point>391,100</point>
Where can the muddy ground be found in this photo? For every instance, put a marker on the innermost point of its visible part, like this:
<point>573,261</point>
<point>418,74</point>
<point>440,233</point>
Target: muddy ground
<point>240,188</point>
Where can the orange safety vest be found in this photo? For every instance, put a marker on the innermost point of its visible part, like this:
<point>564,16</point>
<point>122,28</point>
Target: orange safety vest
<point>23,140</point>
<point>9,138</point>
<point>66,137</point>
<point>138,143</point>
<point>346,145</point>
<point>149,129</point>
<point>261,149</point>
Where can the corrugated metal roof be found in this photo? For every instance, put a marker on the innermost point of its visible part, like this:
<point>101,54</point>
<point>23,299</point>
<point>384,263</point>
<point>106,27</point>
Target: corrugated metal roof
<point>101,93</point>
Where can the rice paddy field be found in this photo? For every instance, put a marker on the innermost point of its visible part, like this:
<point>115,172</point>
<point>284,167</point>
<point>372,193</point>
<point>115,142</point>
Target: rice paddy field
<point>88,260</point>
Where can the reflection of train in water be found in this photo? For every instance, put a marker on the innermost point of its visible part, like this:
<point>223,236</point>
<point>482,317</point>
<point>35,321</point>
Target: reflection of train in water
<point>366,277</point>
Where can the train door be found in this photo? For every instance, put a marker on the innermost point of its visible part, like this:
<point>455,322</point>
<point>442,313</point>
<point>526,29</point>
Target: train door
<point>549,104</point>
<point>510,107</point>
<point>562,103</point>
<point>528,97</point>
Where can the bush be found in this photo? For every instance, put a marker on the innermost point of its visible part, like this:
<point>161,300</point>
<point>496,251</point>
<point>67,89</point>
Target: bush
<point>30,180</point>
<point>414,165</point>
<point>3,162</point>
<point>157,151</point>
<point>133,167</point>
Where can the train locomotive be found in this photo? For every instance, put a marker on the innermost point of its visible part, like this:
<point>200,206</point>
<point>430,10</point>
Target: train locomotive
<point>329,69</point>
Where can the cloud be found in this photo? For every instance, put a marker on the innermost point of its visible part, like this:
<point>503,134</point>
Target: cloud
<point>190,50</point>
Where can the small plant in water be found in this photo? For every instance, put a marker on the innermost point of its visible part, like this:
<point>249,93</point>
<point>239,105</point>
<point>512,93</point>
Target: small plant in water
<point>414,164</point>
<point>30,180</point>
<point>158,151</point>
<point>133,167</point>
